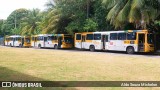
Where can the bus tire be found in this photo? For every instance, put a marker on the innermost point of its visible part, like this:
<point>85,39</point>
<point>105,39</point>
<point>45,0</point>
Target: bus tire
<point>130,50</point>
<point>92,48</point>
<point>39,46</point>
<point>56,46</point>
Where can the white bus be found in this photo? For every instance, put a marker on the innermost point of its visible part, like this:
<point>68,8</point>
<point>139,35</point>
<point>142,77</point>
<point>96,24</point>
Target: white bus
<point>52,41</point>
<point>130,41</point>
<point>17,41</point>
<point>13,41</point>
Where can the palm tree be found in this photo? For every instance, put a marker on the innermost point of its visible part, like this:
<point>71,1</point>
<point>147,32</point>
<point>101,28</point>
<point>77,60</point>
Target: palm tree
<point>50,22</point>
<point>31,22</point>
<point>138,12</point>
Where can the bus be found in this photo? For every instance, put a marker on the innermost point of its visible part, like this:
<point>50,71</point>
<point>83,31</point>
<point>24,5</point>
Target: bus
<point>17,41</point>
<point>13,41</point>
<point>130,41</point>
<point>52,41</point>
<point>25,41</point>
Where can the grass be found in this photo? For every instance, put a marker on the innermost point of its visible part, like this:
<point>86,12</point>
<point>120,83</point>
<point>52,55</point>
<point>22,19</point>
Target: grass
<point>29,64</point>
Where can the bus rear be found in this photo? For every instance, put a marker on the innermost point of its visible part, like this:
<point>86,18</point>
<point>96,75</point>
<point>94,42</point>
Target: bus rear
<point>67,41</point>
<point>27,41</point>
<point>145,41</point>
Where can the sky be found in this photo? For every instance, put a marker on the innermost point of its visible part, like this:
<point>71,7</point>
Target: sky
<point>8,6</point>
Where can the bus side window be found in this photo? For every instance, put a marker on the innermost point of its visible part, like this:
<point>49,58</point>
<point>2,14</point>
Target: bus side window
<point>121,36</point>
<point>131,36</point>
<point>89,37</point>
<point>113,36</point>
<point>97,36</point>
<point>78,36</point>
<point>41,38</point>
<point>53,37</point>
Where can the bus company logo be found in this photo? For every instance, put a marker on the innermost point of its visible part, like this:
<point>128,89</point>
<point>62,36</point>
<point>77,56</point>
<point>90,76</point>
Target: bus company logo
<point>6,84</point>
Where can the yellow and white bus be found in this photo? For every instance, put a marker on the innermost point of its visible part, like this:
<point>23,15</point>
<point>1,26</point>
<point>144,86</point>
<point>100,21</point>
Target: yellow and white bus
<point>13,41</point>
<point>25,41</point>
<point>52,41</point>
<point>17,41</point>
<point>130,41</point>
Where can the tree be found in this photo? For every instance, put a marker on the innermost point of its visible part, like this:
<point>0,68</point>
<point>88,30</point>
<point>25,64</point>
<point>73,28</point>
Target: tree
<point>31,22</point>
<point>1,27</point>
<point>12,24</point>
<point>138,12</point>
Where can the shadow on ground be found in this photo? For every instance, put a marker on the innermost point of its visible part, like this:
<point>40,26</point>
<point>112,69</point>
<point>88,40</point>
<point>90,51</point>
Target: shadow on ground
<point>10,75</point>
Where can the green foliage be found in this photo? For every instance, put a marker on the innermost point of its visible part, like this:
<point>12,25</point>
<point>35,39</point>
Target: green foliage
<point>71,16</point>
<point>90,25</point>
<point>14,20</point>
<point>139,12</point>
<point>15,31</point>
<point>30,25</point>
<point>1,25</point>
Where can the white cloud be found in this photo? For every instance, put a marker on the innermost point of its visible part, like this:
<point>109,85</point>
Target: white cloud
<point>8,6</point>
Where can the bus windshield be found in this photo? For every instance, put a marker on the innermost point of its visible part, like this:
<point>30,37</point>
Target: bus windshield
<point>27,40</point>
<point>68,39</point>
<point>150,38</point>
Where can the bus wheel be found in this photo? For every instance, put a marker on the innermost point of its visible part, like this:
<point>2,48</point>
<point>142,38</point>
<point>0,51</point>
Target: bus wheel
<point>92,48</point>
<point>39,46</point>
<point>130,50</point>
<point>56,46</point>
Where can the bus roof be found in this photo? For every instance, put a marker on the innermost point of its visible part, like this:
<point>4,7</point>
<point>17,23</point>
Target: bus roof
<point>15,36</point>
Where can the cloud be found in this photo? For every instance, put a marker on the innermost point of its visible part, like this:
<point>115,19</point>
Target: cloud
<point>8,6</point>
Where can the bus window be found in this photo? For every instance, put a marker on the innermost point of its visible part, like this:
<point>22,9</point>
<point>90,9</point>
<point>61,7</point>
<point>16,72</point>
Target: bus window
<point>150,38</point>
<point>45,39</point>
<point>78,37</point>
<point>14,39</point>
<point>19,38</point>
<point>27,40</point>
<point>97,36</point>
<point>53,37</point>
<point>113,36</point>
<point>49,38</point>
<point>89,37</point>
<point>131,36</point>
<point>68,39</point>
<point>33,39</point>
<point>40,38</point>
<point>121,36</point>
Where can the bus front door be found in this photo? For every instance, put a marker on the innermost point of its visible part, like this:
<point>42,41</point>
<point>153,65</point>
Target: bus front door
<point>83,41</point>
<point>141,42</point>
<point>13,42</point>
<point>45,42</point>
<point>103,40</point>
<point>59,42</point>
